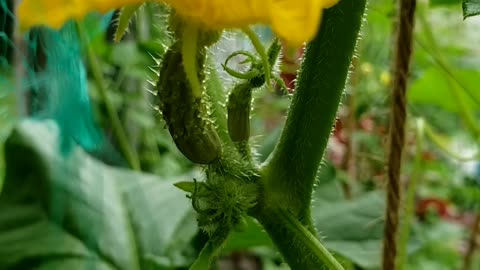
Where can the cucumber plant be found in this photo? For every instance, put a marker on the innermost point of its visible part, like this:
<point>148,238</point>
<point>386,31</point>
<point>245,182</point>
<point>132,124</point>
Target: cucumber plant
<point>277,193</point>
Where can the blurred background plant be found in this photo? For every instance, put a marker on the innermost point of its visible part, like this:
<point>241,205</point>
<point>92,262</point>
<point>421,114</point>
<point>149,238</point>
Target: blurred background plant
<point>444,162</point>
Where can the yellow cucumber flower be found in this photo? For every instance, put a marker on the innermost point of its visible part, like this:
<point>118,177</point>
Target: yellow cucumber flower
<point>295,21</point>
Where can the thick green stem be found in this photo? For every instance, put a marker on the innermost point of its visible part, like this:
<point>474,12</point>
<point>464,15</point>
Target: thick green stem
<point>300,248</point>
<point>127,150</point>
<point>290,174</point>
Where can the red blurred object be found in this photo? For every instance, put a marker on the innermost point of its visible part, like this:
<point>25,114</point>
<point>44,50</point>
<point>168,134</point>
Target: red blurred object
<point>289,79</point>
<point>440,206</point>
<point>428,156</point>
<point>291,60</point>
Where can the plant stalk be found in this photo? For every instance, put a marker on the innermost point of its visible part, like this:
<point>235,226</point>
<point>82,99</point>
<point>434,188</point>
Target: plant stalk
<point>300,248</point>
<point>290,173</point>
<point>127,150</point>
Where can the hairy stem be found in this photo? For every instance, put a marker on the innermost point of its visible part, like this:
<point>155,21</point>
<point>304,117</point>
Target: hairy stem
<point>300,248</point>
<point>290,174</point>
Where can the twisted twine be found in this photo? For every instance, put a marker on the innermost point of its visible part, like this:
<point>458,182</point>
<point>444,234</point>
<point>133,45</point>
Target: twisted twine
<point>397,128</point>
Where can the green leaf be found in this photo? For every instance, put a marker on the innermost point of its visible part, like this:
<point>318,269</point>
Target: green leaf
<point>436,246</point>
<point>186,186</point>
<point>435,88</point>
<point>353,229</point>
<point>69,211</point>
<point>252,236</point>
<point>470,8</point>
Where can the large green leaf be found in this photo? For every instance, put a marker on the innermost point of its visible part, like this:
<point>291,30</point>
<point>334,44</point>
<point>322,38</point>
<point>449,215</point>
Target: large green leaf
<point>471,8</point>
<point>353,229</point>
<point>69,211</point>
<point>435,88</point>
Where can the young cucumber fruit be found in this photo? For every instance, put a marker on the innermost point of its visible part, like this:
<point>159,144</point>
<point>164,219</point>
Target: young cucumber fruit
<point>186,116</point>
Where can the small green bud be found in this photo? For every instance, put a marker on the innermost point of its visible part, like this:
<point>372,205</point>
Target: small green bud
<point>238,108</point>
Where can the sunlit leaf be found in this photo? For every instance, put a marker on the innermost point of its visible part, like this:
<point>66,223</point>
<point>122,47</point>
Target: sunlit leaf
<point>434,87</point>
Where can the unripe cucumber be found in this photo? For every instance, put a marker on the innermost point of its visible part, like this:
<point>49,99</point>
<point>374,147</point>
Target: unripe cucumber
<point>239,107</point>
<point>186,116</point>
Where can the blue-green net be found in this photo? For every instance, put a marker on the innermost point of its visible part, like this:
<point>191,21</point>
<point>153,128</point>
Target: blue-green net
<point>51,75</point>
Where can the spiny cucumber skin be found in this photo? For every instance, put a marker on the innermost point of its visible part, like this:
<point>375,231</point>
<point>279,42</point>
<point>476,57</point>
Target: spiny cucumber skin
<point>186,116</point>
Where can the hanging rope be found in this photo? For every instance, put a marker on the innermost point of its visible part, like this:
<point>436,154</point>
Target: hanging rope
<point>406,11</point>
<point>472,244</point>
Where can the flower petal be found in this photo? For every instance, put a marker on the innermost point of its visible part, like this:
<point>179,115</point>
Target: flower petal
<point>296,21</point>
<point>219,14</point>
<point>55,13</point>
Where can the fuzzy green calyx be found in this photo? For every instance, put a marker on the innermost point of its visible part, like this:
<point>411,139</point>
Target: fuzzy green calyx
<point>230,191</point>
<point>222,202</point>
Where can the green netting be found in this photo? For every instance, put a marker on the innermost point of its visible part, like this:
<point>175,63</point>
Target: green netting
<point>63,81</point>
<point>51,74</point>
